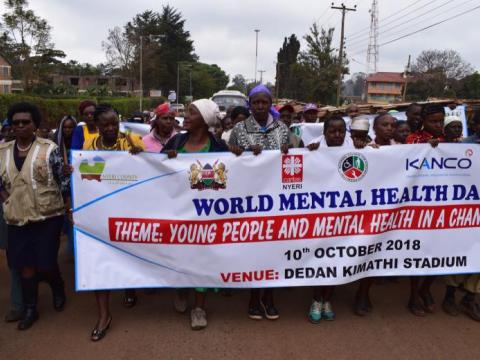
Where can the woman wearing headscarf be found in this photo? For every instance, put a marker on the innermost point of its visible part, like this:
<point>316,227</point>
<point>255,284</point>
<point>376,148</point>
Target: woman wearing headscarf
<point>421,300</point>
<point>35,194</point>
<point>109,138</point>
<point>87,128</point>
<point>63,139</point>
<point>260,131</point>
<point>201,115</point>
<point>162,129</point>
<point>453,129</point>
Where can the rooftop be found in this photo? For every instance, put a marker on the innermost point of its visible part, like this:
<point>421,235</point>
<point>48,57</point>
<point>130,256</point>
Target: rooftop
<point>386,77</point>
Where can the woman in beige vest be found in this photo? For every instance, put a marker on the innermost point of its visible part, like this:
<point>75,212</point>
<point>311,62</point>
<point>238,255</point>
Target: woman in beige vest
<point>35,193</point>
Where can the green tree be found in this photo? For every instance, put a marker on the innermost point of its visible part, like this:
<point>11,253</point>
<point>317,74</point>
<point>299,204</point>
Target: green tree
<point>315,73</point>
<point>206,80</point>
<point>437,73</point>
<point>239,83</point>
<point>160,55</point>
<point>26,38</point>
<point>469,87</point>
<point>286,57</point>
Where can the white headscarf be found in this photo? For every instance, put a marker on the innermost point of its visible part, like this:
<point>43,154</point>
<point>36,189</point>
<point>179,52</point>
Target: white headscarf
<point>452,118</point>
<point>209,110</point>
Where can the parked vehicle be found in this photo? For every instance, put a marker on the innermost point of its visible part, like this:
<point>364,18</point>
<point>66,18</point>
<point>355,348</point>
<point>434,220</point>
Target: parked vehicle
<point>229,98</point>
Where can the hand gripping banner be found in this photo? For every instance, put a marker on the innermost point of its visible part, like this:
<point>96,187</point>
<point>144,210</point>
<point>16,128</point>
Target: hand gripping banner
<point>324,217</point>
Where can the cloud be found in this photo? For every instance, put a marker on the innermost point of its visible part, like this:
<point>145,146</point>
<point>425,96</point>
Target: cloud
<point>223,31</point>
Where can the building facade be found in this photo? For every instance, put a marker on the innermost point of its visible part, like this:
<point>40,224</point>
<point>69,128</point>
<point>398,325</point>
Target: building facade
<point>5,76</point>
<point>385,87</point>
<point>117,84</point>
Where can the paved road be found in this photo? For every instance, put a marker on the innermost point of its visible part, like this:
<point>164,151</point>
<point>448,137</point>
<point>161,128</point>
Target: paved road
<point>152,330</point>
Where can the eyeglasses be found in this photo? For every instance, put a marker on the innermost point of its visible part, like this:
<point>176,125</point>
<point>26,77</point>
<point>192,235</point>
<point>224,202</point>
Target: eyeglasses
<point>23,122</point>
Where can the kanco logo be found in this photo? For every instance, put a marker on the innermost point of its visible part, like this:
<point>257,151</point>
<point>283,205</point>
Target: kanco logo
<point>438,163</point>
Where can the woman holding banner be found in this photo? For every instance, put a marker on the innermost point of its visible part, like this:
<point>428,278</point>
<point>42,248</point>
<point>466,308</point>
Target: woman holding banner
<point>334,135</point>
<point>162,129</point>
<point>421,300</point>
<point>109,138</point>
<point>200,116</point>
<point>260,131</point>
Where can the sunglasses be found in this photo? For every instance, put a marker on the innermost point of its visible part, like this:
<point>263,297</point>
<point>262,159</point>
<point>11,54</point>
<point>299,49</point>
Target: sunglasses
<point>23,122</point>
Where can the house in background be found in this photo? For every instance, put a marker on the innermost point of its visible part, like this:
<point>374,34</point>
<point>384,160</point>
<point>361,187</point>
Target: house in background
<point>117,84</point>
<point>385,87</point>
<point>5,76</point>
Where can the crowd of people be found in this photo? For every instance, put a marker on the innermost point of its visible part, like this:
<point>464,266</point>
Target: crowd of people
<point>35,189</point>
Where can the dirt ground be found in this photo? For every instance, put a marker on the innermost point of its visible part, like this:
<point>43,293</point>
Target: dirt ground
<point>152,330</point>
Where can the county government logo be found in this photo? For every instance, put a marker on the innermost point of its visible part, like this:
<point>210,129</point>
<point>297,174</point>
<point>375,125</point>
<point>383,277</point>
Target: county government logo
<point>207,177</point>
<point>93,169</point>
<point>353,166</point>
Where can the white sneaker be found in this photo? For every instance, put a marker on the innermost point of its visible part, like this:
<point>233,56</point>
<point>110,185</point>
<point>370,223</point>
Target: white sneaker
<point>180,301</point>
<point>198,318</point>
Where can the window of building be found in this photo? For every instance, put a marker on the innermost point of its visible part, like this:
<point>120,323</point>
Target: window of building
<point>5,71</point>
<point>120,82</point>
<point>102,81</point>
<point>6,89</point>
<point>74,81</point>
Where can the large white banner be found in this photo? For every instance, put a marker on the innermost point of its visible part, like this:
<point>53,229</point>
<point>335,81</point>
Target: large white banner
<point>325,217</point>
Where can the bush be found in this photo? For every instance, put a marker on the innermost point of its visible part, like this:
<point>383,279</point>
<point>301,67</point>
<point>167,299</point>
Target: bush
<point>54,108</point>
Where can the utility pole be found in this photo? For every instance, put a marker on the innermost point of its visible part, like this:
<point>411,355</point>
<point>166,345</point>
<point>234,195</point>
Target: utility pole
<point>261,75</point>
<point>340,55</point>
<point>405,75</point>
<point>256,52</point>
<point>141,72</point>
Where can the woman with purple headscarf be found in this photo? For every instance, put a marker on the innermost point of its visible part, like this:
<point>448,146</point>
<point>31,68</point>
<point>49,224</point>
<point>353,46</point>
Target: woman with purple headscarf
<point>260,131</point>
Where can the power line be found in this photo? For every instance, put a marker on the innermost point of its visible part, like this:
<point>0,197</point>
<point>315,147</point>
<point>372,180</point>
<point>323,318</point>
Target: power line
<point>365,29</point>
<point>357,45</point>
<point>362,33</point>
<point>390,28</point>
<point>425,28</point>
<point>430,26</point>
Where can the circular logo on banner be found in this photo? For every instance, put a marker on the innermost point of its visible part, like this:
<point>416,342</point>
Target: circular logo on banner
<point>353,166</point>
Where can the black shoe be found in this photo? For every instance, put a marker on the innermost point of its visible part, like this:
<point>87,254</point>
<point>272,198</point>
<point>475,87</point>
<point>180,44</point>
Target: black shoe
<point>449,306</point>
<point>30,316</point>
<point>59,299</point>
<point>270,311</point>
<point>14,316</point>
<point>129,301</point>
<point>99,334</point>
<point>471,308</point>
<point>255,313</point>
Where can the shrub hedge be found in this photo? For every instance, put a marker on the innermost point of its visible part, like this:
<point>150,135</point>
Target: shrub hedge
<point>53,109</point>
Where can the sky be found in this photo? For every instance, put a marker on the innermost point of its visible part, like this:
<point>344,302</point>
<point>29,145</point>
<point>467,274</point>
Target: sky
<point>223,30</point>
